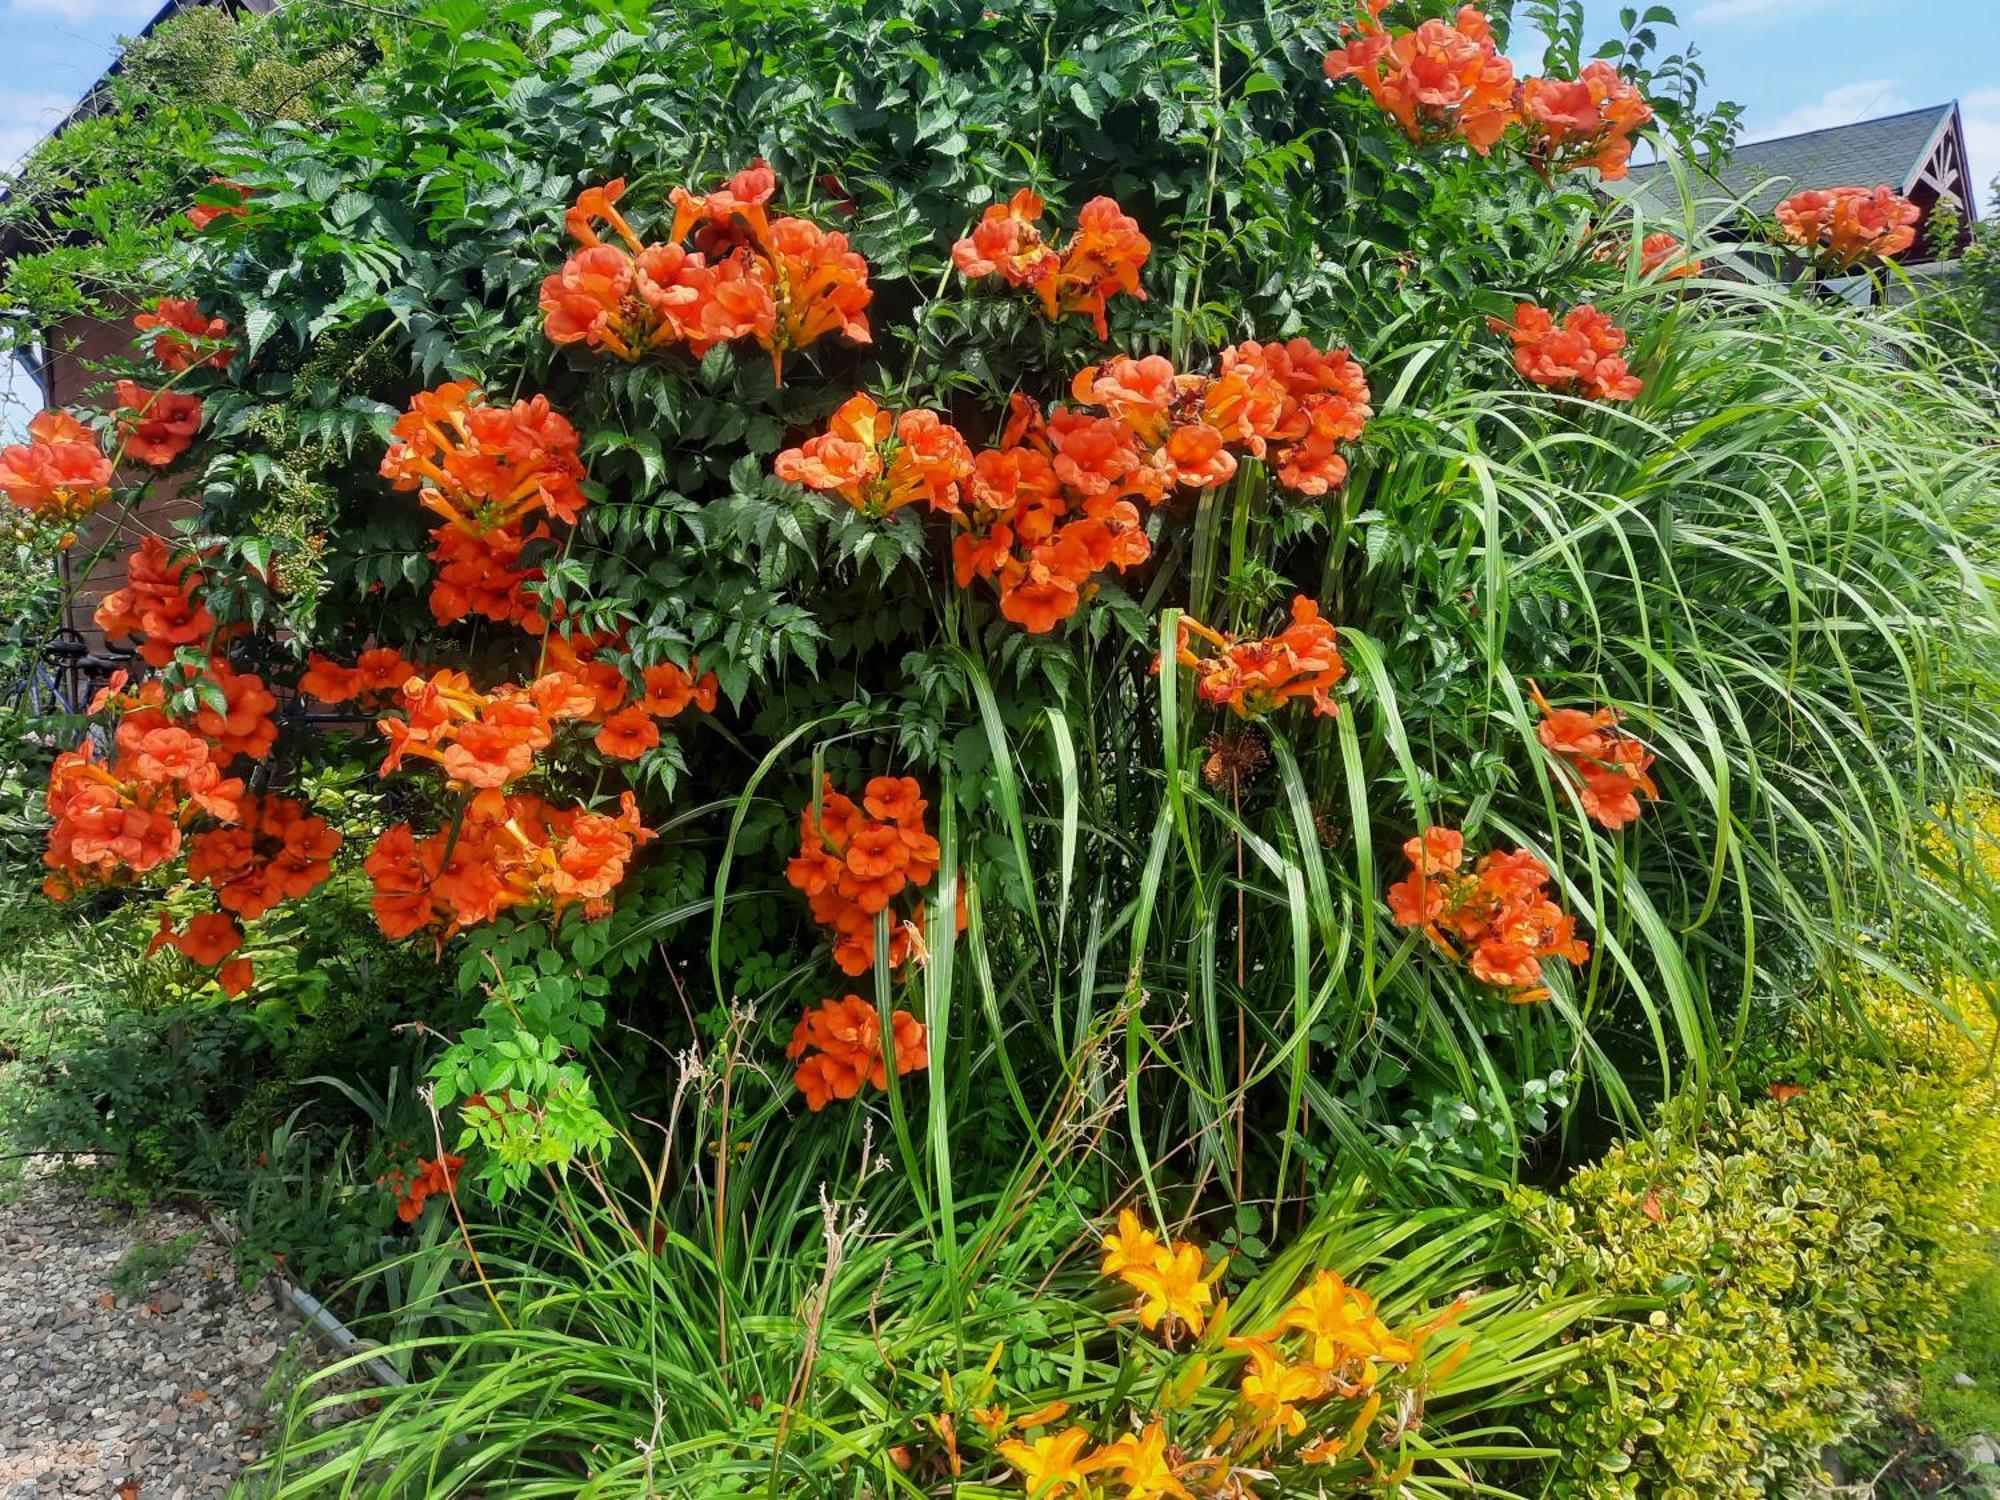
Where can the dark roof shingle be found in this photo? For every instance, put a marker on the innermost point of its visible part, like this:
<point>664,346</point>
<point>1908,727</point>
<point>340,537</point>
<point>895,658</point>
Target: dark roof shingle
<point>1888,150</point>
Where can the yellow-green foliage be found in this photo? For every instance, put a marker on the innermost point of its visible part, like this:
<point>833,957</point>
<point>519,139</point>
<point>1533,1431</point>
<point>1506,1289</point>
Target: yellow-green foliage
<point>1769,1265</point>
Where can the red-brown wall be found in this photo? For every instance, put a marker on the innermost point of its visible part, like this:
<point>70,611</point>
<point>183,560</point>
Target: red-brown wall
<point>95,563</point>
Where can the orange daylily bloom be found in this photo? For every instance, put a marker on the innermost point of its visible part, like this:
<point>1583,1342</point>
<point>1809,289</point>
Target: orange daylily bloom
<point>1274,1388</point>
<point>1341,1326</point>
<point>1176,1287</point>
<point>1142,1464</point>
<point>1131,1244</point>
<point>1052,1465</point>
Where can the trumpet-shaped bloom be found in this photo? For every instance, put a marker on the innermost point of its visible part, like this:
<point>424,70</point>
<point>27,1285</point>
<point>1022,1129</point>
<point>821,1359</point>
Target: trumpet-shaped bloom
<point>1444,79</point>
<point>1582,356</point>
<point>232,202</point>
<point>1610,766</point>
<point>854,863</point>
<point>505,853</point>
<point>839,1049</point>
<point>782,282</point>
<point>60,473</point>
<point>158,604</point>
<point>1843,226</point>
<point>182,338</point>
<point>1587,121</point>
<point>1102,258</point>
<point>1251,678</point>
<point>157,426</point>
<point>880,461</point>
<point>1495,919</point>
<point>277,851</point>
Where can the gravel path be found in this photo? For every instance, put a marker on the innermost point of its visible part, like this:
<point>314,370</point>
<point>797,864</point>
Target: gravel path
<point>156,1394</point>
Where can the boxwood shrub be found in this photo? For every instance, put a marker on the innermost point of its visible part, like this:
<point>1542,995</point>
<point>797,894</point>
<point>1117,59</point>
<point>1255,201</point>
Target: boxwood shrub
<point>1770,1266</point>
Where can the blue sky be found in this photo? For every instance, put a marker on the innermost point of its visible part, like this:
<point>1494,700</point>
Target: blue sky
<point>1795,64</point>
<point>1803,64</point>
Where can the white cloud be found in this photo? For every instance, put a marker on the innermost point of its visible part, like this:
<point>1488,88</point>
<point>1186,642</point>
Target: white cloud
<point>1722,12</point>
<point>86,10</point>
<point>1981,109</point>
<point>25,118</point>
<point>1866,99</point>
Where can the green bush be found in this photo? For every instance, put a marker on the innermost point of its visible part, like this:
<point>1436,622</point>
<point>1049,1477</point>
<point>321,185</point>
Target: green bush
<point>1773,1264</point>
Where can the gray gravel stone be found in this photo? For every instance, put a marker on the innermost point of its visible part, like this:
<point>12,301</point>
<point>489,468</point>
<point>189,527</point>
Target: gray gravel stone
<point>100,1397</point>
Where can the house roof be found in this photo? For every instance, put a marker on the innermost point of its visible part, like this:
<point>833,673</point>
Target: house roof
<point>1890,150</point>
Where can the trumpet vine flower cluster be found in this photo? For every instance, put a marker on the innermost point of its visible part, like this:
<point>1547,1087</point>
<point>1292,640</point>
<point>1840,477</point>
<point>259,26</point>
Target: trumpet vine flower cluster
<point>1254,677</point>
<point>1495,918</point>
<point>1841,227</point>
<point>1056,502</point>
<point>880,461</point>
<point>1102,258</point>
<point>156,426</point>
<point>1582,122</point>
<point>181,338</point>
<point>115,820</point>
<point>60,474</point>
<point>1581,356</point>
<point>1447,81</point>
<point>275,851</point>
<point>783,282</point>
<point>429,1177</point>
<point>1610,766</point>
<point>504,853</point>
<point>158,605</point>
<point>838,1046</point>
<point>856,861</point>
<point>491,474</point>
